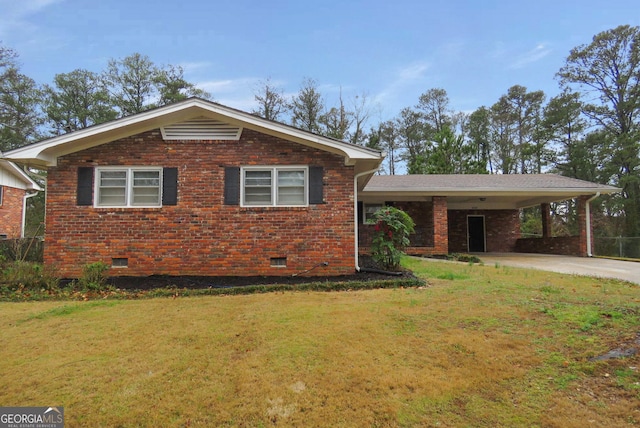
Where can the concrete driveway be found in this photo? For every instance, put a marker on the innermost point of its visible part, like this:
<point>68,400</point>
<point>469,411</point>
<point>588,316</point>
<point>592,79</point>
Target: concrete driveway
<point>590,266</point>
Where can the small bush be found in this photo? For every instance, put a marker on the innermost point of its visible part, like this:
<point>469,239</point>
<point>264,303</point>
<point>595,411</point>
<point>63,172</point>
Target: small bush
<point>93,276</point>
<point>391,236</point>
<point>28,275</point>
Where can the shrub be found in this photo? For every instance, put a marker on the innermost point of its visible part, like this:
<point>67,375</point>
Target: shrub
<point>391,236</point>
<point>93,276</point>
<point>28,275</point>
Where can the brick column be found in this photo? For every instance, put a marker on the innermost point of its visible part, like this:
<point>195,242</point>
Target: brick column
<point>582,226</point>
<point>545,208</point>
<point>440,225</point>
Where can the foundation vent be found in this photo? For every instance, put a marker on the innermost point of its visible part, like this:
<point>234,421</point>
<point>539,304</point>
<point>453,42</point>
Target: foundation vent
<point>201,129</point>
<point>278,262</point>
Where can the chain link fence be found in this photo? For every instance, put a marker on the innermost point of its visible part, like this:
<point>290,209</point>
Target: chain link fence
<point>619,246</point>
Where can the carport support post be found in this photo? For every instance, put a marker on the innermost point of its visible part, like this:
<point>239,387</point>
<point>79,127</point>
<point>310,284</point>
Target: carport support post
<point>440,225</point>
<point>584,225</point>
<point>545,209</point>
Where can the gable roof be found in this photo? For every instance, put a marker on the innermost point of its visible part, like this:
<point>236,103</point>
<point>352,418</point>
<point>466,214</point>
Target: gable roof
<point>46,152</point>
<point>482,191</point>
<point>12,176</point>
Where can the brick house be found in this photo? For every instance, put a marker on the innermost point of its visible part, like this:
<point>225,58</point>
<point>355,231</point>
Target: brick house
<point>197,188</point>
<point>15,188</point>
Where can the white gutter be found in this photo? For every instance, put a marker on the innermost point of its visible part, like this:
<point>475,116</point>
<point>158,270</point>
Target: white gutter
<point>588,225</point>
<point>24,211</point>
<point>355,212</point>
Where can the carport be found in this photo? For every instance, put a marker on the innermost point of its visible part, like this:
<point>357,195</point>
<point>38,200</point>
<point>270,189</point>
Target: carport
<point>480,212</point>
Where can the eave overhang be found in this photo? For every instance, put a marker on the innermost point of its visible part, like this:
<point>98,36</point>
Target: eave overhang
<point>46,153</point>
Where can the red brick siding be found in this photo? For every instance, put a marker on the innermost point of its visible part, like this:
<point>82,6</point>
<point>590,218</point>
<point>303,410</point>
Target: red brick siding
<point>502,229</point>
<point>11,212</point>
<point>564,245</point>
<point>422,215</point>
<point>201,235</point>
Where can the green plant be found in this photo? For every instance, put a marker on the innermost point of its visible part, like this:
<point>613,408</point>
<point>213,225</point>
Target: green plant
<point>391,236</point>
<point>28,275</point>
<point>93,276</point>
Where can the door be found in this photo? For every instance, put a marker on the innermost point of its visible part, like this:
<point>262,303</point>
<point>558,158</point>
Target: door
<point>476,236</point>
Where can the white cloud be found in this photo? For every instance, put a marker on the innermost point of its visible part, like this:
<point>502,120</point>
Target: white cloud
<point>236,93</point>
<point>534,55</point>
<point>15,14</point>
<point>413,72</point>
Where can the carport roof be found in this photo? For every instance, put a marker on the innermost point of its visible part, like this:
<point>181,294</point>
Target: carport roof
<point>481,191</point>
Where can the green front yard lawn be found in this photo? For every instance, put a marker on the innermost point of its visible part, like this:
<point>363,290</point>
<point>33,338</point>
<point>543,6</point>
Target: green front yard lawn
<point>480,346</point>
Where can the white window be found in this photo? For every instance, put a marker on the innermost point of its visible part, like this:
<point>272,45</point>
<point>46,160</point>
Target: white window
<point>128,187</point>
<point>369,210</point>
<point>274,186</point>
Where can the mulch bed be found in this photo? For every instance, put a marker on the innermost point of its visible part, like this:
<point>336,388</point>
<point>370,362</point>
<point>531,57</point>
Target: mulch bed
<point>199,282</point>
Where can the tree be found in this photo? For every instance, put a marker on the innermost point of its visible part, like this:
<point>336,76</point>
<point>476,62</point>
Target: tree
<point>20,114</point>
<point>607,72</point>
<point>172,86</point>
<point>450,154</point>
<point>307,107</point>
<point>478,130</point>
<point>389,141</point>
<point>410,133</point>
<point>434,106</point>
<point>271,101</point>
<point>515,120</point>
<point>77,100</point>
<point>564,127</point>
<point>360,115</point>
<point>337,121</point>
<point>130,82</point>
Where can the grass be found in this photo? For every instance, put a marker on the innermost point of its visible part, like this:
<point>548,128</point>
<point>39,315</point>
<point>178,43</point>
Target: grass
<point>484,346</point>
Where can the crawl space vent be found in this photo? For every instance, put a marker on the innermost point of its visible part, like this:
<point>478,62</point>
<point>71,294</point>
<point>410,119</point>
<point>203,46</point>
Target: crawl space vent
<point>201,129</point>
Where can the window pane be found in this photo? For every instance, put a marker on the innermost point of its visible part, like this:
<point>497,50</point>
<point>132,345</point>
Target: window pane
<point>146,188</point>
<point>257,188</point>
<point>291,178</point>
<point>257,178</point>
<point>112,196</point>
<point>291,187</point>
<point>146,178</point>
<point>112,188</point>
<point>291,196</point>
<point>369,210</point>
<point>113,178</point>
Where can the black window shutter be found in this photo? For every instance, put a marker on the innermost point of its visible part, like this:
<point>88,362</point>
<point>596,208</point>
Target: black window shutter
<point>170,186</point>
<point>232,185</point>
<point>360,212</point>
<point>84,194</point>
<point>316,188</point>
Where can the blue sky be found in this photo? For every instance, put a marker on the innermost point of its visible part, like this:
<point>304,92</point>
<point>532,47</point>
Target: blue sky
<point>391,50</point>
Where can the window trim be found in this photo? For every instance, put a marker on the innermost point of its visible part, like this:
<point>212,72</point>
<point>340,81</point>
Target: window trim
<point>274,185</point>
<point>129,185</point>
<point>366,220</point>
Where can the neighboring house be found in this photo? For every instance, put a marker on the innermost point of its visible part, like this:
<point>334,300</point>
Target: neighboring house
<point>197,188</point>
<point>15,188</point>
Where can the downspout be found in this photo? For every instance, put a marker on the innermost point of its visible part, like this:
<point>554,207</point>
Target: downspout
<point>24,211</point>
<point>588,225</point>
<point>355,213</point>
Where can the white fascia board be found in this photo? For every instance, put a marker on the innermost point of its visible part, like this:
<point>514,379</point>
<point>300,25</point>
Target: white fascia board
<point>447,191</point>
<point>351,152</point>
<point>30,184</point>
<point>46,152</point>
